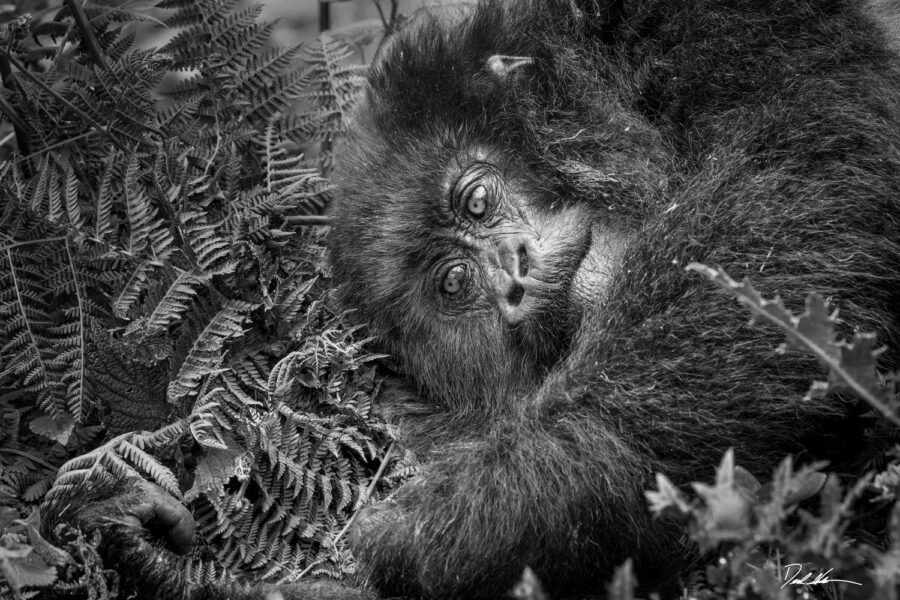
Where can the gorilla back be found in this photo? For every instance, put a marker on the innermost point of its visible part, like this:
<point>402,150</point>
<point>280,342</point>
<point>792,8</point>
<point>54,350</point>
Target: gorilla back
<point>519,191</point>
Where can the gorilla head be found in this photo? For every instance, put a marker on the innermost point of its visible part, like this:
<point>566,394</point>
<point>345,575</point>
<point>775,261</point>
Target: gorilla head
<point>486,192</point>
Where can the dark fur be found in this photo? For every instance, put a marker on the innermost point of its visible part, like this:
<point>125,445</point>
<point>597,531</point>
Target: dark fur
<point>763,137</point>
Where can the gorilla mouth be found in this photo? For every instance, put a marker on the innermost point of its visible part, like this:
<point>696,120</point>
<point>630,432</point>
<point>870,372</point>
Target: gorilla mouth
<point>515,295</point>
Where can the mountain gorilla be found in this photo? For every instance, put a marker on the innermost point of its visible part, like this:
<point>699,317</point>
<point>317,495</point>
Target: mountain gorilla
<point>519,191</point>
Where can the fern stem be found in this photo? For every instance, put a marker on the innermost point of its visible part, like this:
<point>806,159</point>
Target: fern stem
<point>366,496</point>
<point>67,142</point>
<point>30,457</point>
<point>87,33</point>
<point>38,82</point>
<point>20,302</point>
<point>29,242</point>
<point>379,472</point>
<point>11,114</point>
<point>20,126</point>
<point>79,292</point>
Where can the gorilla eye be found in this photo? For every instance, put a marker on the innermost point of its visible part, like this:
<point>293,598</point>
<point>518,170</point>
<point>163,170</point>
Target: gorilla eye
<point>454,280</point>
<point>476,203</point>
<point>473,195</point>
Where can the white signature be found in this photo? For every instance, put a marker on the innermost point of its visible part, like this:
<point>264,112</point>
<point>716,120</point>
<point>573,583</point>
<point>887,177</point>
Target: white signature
<point>795,578</point>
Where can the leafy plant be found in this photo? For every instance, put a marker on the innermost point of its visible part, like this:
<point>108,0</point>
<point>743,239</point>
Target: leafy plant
<point>763,543</point>
<point>161,317</point>
<point>158,314</point>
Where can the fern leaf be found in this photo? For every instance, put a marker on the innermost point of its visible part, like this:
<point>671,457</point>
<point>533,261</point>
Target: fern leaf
<point>264,69</point>
<point>205,355</point>
<point>70,199</point>
<point>190,13</point>
<point>45,172</point>
<point>136,282</point>
<point>173,302</point>
<point>103,224</point>
<point>212,252</point>
<point>146,463</point>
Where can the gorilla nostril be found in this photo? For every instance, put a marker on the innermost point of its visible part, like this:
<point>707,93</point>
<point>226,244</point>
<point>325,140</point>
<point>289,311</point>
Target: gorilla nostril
<point>515,294</point>
<point>523,261</point>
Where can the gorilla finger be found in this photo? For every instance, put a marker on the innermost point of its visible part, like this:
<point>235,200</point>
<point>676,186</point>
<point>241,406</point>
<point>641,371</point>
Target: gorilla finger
<point>165,515</point>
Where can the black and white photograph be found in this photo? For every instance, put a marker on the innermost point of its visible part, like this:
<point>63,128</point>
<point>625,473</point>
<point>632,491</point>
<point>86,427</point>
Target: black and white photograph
<point>450,299</point>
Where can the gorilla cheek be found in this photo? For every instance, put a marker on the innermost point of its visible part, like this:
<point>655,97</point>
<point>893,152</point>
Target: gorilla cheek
<point>593,278</point>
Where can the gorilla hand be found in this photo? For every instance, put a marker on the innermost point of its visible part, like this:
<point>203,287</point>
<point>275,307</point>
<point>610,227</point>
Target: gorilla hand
<point>126,511</point>
<point>156,510</point>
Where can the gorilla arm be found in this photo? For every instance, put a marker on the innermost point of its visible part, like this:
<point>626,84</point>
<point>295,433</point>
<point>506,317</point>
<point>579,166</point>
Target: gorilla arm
<point>555,489</point>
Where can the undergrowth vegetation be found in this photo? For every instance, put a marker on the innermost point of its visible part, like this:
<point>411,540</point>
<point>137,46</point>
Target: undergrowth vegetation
<point>159,315</point>
<point>165,312</point>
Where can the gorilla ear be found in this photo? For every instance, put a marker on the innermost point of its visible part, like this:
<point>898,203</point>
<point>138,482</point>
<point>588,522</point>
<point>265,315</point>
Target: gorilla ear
<point>501,66</point>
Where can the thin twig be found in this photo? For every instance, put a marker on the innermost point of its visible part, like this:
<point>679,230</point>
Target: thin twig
<point>324,16</point>
<point>315,220</point>
<point>384,20</point>
<point>12,245</point>
<point>395,5</point>
<point>367,494</point>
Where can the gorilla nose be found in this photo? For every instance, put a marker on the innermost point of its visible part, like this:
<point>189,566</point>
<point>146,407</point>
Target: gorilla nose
<point>515,295</point>
<point>516,254</point>
<point>515,263</point>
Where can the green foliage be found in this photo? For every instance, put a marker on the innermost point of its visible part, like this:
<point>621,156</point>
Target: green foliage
<point>153,298</point>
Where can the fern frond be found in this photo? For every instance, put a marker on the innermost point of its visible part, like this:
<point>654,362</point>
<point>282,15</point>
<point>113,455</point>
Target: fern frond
<point>22,316</point>
<point>206,353</point>
<point>104,200</point>
<point>160,211</point>
<point>190,13</point>
<point>147,464</point>
<point>129,295</point>
<point>218,32</point>
<point>211,251</point>
<point>168,301</point>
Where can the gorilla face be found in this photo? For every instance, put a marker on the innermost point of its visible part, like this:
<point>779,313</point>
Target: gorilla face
<point>469,232</point>
<point>472,267</point>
